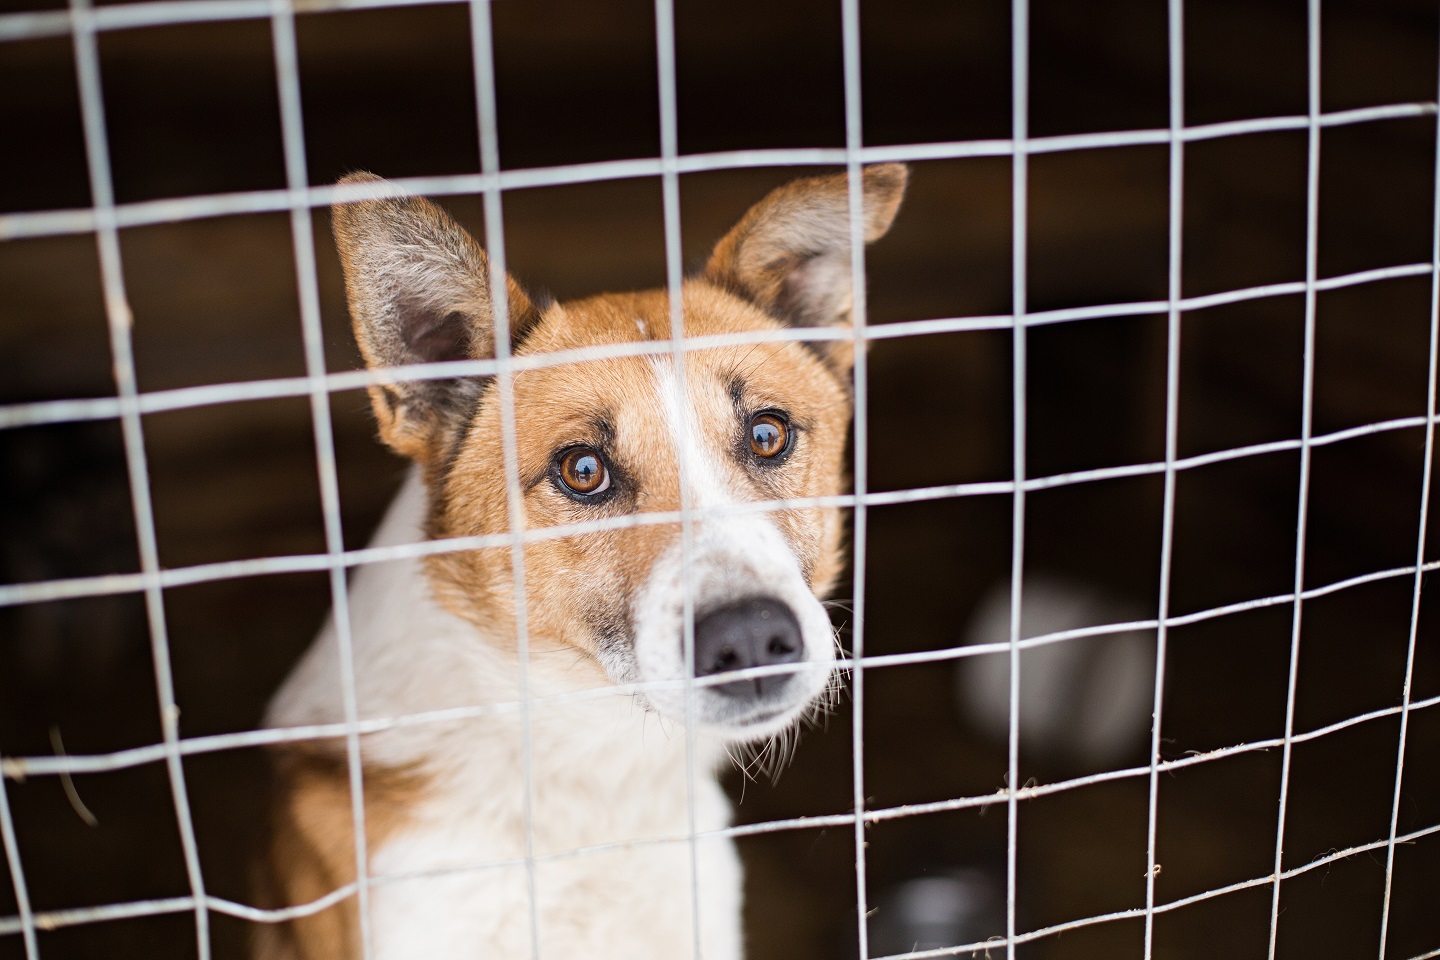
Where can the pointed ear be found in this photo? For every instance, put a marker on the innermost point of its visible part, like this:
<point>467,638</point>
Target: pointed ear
<point>791,252</point>
<point>418,287</point>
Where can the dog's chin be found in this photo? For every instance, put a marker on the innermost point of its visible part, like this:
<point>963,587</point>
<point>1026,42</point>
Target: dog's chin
<point>760,724</point>
<point>739,722</point>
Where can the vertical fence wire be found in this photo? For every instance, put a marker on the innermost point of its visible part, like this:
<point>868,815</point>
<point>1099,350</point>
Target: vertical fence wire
<point>1312,242</point>
<point>1424,521</point>
<point>482,52</point>
<point>1176,40</point>
<point>17,876</point>
<point>674,285</point>
<point>302,234</point>
<point>1019,173</point>
<point>860,378</point>
<point>120,319</point>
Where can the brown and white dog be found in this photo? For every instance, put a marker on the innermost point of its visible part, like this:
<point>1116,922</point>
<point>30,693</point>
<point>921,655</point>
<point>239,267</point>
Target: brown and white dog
<point>448,822</point>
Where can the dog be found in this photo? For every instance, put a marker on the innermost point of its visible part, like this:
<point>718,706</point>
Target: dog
<point>562,808</point>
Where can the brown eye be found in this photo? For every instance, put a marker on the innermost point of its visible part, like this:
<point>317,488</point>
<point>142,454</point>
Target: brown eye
<point>582,472</point>
<point>769,435</point>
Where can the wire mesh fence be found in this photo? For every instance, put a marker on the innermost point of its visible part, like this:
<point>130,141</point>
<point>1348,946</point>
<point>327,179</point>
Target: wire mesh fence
<point>105,217</point>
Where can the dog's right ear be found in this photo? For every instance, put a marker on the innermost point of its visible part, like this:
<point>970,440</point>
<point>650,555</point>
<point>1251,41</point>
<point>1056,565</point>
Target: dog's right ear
<point>418,287</point>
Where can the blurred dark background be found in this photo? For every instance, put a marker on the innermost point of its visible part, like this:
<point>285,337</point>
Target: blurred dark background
<point>193,110</point>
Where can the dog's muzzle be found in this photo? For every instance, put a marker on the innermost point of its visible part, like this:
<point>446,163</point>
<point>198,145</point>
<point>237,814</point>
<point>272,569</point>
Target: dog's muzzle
<point>763,648</point>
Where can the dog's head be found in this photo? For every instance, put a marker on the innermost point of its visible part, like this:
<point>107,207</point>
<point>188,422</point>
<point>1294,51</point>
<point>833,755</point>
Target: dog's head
<point>606,439</point>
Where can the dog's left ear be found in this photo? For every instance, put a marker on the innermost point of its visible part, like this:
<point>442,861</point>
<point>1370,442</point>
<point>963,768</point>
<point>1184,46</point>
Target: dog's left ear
<point>790,253</point>
<point>418,288</point>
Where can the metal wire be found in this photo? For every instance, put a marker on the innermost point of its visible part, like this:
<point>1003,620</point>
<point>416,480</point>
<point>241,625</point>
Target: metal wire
<point>119,319</point>
<point>25,921</point>
<point>1423,528</point>
<point>1019,129</point>
<point>110,584</point>
<point>105,218</point>
<point>674,276</point>
<point>149,212</point>
<point>855,206</point>
<point>19,768</point>
<point>51,920</point>
<point>1302,510</point>
<point>292,129</point>
<point>182,398</point>
<point>482,51</point>
<point>1175,25</point>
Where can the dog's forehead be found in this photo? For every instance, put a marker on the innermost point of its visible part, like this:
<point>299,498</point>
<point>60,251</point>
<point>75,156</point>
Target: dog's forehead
<point>644,315</point>
<point>617,389</point>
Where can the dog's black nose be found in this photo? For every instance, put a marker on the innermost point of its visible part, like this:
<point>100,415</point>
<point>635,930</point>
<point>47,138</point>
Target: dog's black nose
<point>754,632</point>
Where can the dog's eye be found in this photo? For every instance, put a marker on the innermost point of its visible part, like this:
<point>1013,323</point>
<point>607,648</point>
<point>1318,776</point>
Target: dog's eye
<point>769,435</point>
<point>582,471</point>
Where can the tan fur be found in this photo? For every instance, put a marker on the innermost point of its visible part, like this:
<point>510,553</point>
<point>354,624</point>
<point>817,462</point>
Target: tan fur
<point>311,848</point>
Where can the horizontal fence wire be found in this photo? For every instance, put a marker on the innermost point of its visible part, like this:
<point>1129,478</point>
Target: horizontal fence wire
<point>22,768</point>
<point>106,218</point>
<point>57,919</point>
<point>122,583</point>
<point>44,412</point>
<point>152,212</point>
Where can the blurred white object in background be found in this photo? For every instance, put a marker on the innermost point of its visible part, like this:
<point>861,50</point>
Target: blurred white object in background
<point>962,905</point>
<point>1083,701</point>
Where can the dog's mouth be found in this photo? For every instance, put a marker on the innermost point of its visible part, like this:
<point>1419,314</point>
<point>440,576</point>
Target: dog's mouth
<point>762,717</point>
<point>754,724</point>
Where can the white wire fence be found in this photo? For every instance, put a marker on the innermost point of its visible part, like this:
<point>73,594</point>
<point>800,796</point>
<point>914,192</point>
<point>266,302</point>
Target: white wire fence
<point>106,218</point>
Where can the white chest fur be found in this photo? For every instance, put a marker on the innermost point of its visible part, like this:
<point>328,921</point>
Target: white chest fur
<point>452,881</point>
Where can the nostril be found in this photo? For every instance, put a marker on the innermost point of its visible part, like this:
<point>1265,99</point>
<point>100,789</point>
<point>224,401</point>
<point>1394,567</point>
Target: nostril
<point>780,648</point>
